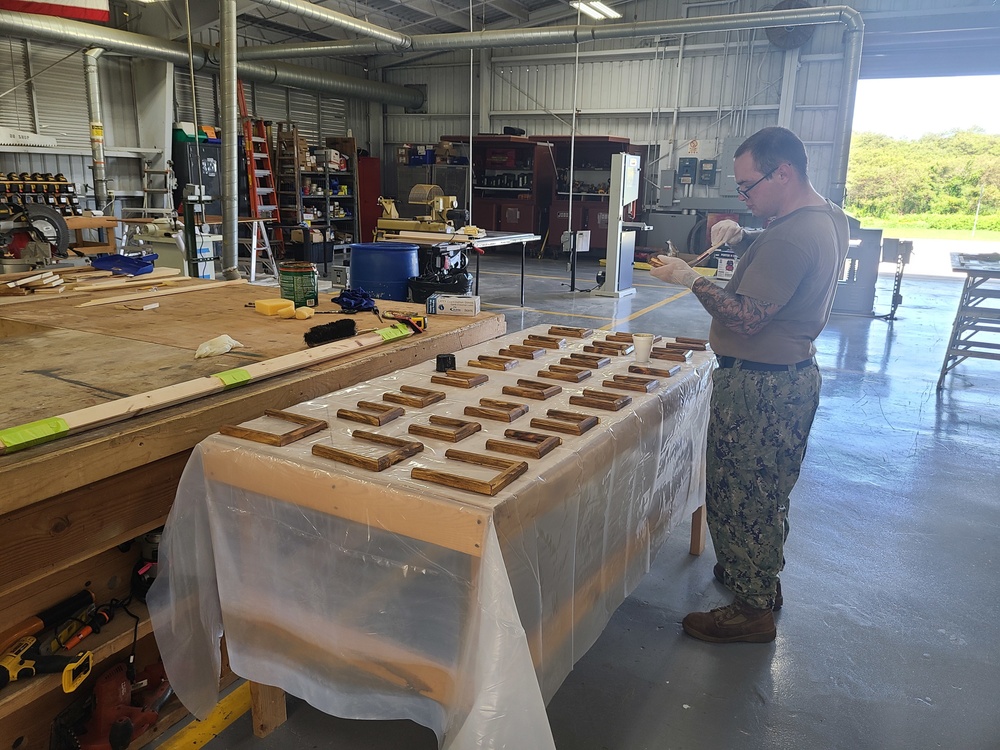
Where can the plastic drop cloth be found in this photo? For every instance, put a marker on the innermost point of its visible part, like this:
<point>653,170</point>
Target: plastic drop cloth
<point>374,595</point>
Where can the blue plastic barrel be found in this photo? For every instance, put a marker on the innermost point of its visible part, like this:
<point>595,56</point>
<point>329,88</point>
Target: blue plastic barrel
<point>383,268</point>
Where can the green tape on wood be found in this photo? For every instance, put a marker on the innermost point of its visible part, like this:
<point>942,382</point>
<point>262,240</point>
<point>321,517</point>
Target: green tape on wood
<point>32,433</point>
<point>398,331</point>
<point>234,378</point>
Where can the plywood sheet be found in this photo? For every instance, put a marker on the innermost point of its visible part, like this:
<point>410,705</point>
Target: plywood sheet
<point>80,356</point>
<point>61,370</point>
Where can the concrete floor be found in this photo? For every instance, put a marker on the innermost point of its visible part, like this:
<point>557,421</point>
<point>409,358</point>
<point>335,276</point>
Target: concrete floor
<point>888,638</point>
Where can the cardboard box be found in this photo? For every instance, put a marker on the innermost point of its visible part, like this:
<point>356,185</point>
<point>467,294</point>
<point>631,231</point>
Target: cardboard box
<point>452,304</point>
<point>298,235</point>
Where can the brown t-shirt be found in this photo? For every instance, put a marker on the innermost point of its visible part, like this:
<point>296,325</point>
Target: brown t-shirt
<point>795,262</point>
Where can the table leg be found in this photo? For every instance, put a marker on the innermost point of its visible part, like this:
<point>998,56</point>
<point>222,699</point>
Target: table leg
<point>524,246</point>
<point>267,707</point>
<point>699,528</point>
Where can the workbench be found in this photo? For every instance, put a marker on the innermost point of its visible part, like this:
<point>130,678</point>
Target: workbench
<point>384,594</point>
<point>67,505</point>
<point>975,333</point>
<point>108,224</point>
<point>476,244</point>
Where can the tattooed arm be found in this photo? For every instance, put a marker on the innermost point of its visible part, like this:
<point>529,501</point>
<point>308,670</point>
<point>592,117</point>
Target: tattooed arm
<point>745,316</point>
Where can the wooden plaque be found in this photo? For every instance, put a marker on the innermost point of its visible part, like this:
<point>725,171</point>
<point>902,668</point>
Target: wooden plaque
<point>404,449</point>
<point>445,428</point>
<point>510,470</point>
<point>309,427</point>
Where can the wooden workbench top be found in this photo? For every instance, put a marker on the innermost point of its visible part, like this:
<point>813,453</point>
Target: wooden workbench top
<point>59,357</point>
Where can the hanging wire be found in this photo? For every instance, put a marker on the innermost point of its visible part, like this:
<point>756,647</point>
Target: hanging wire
<point>35,75</point>
<point>472,79</point>
<point>194,94</point>
<point>572,139</point>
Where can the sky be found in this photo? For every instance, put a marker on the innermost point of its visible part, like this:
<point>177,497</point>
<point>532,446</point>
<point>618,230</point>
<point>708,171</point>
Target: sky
<point>911,107</point>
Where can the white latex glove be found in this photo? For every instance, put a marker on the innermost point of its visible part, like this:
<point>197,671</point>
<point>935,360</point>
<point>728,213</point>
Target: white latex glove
<point>726,232</point>
<point>218,345</point>
<point>674,271</point>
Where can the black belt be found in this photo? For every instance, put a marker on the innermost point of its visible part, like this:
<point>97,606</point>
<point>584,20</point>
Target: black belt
<point>746,364</point>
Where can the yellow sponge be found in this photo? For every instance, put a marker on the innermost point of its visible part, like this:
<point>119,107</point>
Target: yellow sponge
<point>273,306</point>
<point>287,312</point>
<point>304,313</point>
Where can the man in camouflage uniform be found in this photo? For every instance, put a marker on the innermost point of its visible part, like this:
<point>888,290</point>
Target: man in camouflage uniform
<point>766,387</point>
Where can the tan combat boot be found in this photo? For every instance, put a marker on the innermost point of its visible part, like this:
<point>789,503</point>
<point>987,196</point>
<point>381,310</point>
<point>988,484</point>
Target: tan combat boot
<point>734,623</point>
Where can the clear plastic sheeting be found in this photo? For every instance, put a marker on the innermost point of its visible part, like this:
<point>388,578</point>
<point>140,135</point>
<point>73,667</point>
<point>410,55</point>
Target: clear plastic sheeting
<point>376,595</point>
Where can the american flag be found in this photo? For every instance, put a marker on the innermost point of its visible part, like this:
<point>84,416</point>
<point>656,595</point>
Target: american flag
<point>81,10</point>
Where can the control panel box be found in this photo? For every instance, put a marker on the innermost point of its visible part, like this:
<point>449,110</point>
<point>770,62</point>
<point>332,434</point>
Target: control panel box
<point>687,170</point>
<point>706,171</point>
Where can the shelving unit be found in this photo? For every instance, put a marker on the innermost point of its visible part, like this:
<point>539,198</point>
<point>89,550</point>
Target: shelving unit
<point>511,182</point>
<point>316,198</point>
<point>591,156</point>
<point>348,222</point>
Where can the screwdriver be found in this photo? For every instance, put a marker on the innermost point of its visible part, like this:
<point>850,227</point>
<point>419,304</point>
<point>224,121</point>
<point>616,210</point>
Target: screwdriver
<point>101,617</point>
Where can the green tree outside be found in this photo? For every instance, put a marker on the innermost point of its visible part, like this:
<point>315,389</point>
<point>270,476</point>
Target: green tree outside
<point>937,182</point>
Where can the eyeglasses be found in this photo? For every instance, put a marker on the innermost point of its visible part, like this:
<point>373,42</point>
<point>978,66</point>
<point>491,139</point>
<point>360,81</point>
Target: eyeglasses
<point>744,192</point>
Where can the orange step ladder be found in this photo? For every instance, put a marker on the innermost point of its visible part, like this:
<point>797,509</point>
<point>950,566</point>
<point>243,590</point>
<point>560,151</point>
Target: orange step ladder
<point>260,192</point>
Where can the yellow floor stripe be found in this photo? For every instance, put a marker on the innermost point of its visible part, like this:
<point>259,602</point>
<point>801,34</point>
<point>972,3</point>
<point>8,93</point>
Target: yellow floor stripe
<point>645,310</point>
<point>614,322</point>
<point>514,308</point>
<point>553,278</point>
<point>198,733</point>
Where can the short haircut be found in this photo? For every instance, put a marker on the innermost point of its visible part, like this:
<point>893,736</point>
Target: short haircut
<point>772,147</point>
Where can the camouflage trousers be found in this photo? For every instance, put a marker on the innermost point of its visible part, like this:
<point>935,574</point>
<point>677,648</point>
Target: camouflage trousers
<point>757,435</point>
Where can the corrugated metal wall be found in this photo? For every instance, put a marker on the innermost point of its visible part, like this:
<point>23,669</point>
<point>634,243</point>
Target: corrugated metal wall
<point>54,103</point>
<point>448,100</point>
<point>16,109</point>
<point>727,85</point>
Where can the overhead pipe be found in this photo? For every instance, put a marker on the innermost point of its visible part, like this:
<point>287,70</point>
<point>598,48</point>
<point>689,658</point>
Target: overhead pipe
<point>129,43</point>
<point>306,9</point>
<point>578,34</point>
<point>93,84</point>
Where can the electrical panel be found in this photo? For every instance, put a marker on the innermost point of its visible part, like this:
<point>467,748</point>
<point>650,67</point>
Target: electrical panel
<point>687,168</point>
<point>667,179</point>
<point>706,171</point>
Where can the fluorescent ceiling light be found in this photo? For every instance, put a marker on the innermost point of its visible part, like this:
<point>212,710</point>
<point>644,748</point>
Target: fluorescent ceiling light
<point>608,12</point>
<point>588,10</point>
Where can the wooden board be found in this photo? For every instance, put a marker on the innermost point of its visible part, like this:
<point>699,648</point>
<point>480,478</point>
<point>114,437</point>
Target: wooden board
<point>657,371</point>
<point>523,352</point>
<point>571,332</point>
<point>567,374</point>
<point>410,395</point>
<point>167,339</point>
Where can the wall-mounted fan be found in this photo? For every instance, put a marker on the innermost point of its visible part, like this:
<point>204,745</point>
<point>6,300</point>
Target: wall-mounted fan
<point>790,37</point>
